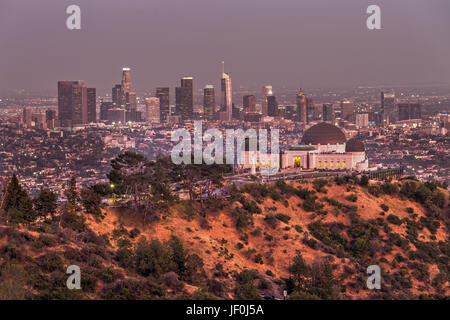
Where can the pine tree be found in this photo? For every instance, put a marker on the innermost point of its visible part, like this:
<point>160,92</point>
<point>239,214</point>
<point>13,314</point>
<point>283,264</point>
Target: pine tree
<point>18,205</point>
<point>45,203</point>
<point>71,194</point>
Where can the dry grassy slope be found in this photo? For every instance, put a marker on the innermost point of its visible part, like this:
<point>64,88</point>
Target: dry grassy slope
<point>209,245</point>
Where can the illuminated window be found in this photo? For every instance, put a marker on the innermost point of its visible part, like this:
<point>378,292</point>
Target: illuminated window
<point>297,162</point>
<point>331,164</point>
<point>325,164</point>
<point>338,164</point>
<point>257,163</point>
<point>320,164</point>
<point>344,164</point>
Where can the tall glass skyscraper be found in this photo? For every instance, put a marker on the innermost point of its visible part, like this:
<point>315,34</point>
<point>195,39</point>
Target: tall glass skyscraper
<point>184,98</point>
<point>266,92</point>
<point>209,101</point>
<point>72,103</point>
<point>164,102</point>
<point>227,95</point>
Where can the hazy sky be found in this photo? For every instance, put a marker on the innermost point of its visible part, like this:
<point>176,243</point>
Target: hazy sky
<point>289,43</point>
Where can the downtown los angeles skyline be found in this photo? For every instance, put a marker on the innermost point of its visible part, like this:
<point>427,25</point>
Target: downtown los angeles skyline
<point>286,44</point>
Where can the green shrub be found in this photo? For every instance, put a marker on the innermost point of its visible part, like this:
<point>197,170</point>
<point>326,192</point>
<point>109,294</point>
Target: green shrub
<point>283,217</point>
<point>352,197</point>
<point>394,219</point>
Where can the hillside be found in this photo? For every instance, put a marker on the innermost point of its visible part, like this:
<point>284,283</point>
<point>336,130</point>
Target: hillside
<point>314,238</point>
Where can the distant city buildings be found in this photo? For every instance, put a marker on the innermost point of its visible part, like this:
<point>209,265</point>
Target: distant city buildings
<point>272,106</point>
<point>301,101</point>
<point>267,91</point>
<point>389,108</point>
<point>153,110</point>
<point>72,103</point>
<point>184,98</point>
<point>227,94</point>
<point>409,111</point>
<point>164,102</point>
<point>362,120</point>
<point>249,103</point>
<point>27,117</point>
<point>91,105</point>
<point>209,102</point>
<point>328,113</point>
<point>347,110</point>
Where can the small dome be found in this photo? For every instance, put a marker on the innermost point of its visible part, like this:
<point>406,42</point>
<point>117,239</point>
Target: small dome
<point>323,133</point>
<point>354,145</point>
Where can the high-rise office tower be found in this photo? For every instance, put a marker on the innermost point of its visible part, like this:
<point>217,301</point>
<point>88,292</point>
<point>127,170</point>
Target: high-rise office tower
<point>209,102</point>
<point>184,98</point>
<point>266,92</point>
<point>347,110</point>
<point>310,110</point>
<point>39,121</point>
<point>164,103</point>
<point>328,113</point>
<point>227,95</point>
<point>104,109</point>
<point>249,103</point>
<point>388,108</point>
<point>118,96</point>
<point>272,106</point>
<point>415,111</point>
<point>301,107</point>
<point>131,100</point>
<point>409,111</point>
<point>72,103</point>
<point>403,111</point>
<point>50,118</point>
<point>362,119</point>
<point>91,105</point>
<point>290,113</point>
<point>153,112</point>
<point>27,116</point>
<point>126,80</point>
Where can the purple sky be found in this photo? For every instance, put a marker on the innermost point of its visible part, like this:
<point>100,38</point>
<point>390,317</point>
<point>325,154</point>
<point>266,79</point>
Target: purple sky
<point>288,43</point>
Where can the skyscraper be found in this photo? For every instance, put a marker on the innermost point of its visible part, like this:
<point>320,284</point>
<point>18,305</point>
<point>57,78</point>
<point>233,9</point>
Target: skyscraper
<point>209,102</point>
<point>184,98</point>
<point>328,113</point>
<point>227,95</point>
<point>409,111</point>
<point>290,113</point>
<point>118,96</point>
<point>347,110</point>
<point>249,103</point>
<point>153,110</point>
<point>266,92</point>
<point>126,80</point>
<point>104,109</point>
<point>310,110</point>
<point>301,107</point>
<point>27,116</point>
<point>72,103</point>
<point>415,111</point>
<point>272,106</point>
<point>91,105</point>
<point>362,119</point>
<point>50,118</point>
<point>164,103</point>
<point>389,108</point>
